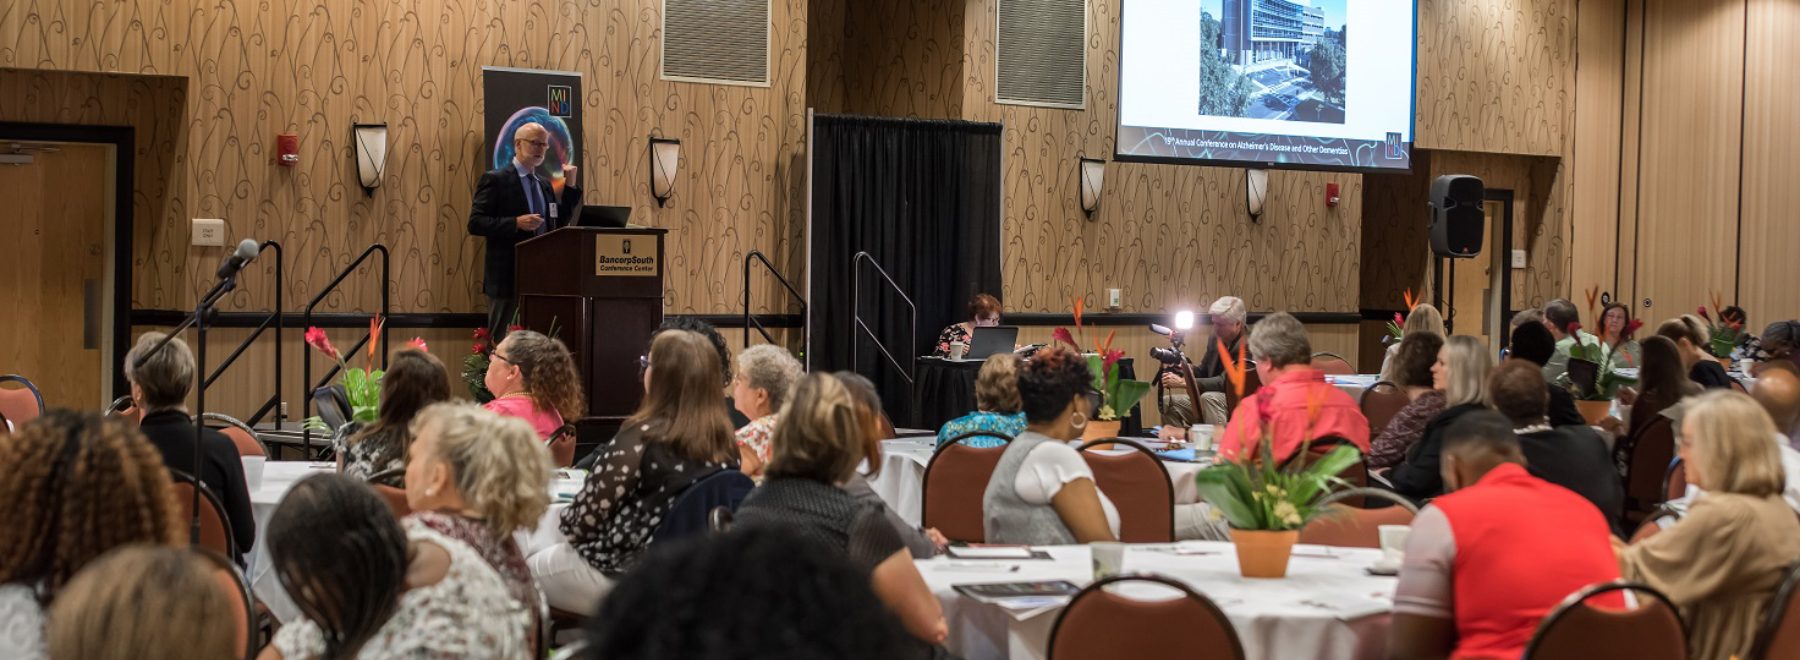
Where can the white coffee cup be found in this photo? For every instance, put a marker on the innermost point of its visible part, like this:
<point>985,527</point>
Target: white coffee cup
<point>253,471</point>
<point>1393,543</point>
<point>1109,557</point>
<point>1201,437</point>
<point>958,350</point>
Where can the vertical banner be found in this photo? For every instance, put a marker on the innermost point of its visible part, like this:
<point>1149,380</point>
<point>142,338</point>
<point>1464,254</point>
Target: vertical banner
<point>515,97</point>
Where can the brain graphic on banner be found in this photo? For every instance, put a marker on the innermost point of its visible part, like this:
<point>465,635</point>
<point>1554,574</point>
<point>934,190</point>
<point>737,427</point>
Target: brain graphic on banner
<point>515,97</point>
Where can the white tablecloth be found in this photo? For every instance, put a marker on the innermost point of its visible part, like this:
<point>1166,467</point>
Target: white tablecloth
<point>280,476</point>
<point>1326,607</point>
<point>901,483</point>
<point>1354,385</point>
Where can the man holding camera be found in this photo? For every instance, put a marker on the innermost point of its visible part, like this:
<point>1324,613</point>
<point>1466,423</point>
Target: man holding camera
<point>1227,316</point>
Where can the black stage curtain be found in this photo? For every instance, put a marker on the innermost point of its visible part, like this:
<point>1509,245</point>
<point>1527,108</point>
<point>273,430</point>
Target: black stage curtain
<point>923,198</point>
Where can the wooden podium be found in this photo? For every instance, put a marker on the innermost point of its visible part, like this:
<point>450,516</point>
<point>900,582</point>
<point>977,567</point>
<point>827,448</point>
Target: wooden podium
<point>603,290</point>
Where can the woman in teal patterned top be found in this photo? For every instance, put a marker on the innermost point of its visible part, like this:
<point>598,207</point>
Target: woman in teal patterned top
<point>996,403</point>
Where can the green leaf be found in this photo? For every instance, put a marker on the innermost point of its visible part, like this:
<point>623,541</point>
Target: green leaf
<point>1126,394</point>
<point>1222,487</point>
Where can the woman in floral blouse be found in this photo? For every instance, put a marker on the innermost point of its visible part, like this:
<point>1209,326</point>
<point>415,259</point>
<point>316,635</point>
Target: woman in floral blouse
<point>679,434</point>
<point>1413,367</point>
<point>763,376</point>
<point>984,312</point>
<point>369,587</point>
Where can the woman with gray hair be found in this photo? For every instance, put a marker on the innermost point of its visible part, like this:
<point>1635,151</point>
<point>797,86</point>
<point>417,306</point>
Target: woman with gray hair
<point>1462,372</point>
<point>1294,405</point>
<point>760,384</point>
<point>159,388</point>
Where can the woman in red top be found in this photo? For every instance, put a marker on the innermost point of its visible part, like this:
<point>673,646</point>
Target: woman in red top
<point>1294,404</point>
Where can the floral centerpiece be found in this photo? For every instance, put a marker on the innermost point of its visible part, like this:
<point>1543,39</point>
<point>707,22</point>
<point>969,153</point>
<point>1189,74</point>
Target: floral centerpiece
<point>1726,333</point>
<point>1118,395</point>
<point>1396,329</point>
<point>1593,375</point>
<point>1264,503</point>
<point>362,387</point>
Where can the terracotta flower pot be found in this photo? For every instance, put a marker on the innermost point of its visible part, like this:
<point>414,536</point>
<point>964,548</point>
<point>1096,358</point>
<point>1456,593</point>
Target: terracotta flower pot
<point>1593,411</point>
<point>1263,553</point>
<point>1098,430</point>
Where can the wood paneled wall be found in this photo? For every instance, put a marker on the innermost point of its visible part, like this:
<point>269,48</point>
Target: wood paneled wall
<point>1169,236</point>
<point>1495,75</point>
<point>251,71</point>
<point>1702,98</point>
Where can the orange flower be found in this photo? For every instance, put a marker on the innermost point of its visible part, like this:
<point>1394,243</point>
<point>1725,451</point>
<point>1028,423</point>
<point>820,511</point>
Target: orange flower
<point>1234,369</point>
<point>1411,302</point>
<point>375,323</point>
<point>1593,295</point>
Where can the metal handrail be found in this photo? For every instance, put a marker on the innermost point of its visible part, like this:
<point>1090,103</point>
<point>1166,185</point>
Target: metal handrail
<point>750,319</point>
<point>274,318</point>
<point>856,315</point>
<point>306,320</point>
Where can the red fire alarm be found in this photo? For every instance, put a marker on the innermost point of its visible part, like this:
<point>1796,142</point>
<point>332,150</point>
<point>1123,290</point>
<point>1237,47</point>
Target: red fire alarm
<point>1331,195</point>
<point>287,149</point>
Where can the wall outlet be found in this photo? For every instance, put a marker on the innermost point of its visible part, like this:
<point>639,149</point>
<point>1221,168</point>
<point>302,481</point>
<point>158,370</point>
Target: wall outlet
<point>284,413</point>
<point>1518,259</point>
<point>1115,298</point>
<point>209,232</point>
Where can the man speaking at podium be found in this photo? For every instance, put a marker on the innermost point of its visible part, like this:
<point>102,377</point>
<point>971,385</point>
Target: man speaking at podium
<point>512,204</point>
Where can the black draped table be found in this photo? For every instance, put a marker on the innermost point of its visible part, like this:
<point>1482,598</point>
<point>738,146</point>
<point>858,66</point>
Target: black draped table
<point>946,391</point>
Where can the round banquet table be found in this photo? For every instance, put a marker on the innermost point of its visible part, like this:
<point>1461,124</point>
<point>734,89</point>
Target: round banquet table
<point>1326,607</point>
<point>946,391</point>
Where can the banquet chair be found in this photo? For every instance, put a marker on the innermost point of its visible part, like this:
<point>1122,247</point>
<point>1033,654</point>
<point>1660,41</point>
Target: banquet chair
<point>1674,483</point>
<point>1138,484</point>
<point>1100,623</point>
<point>391,486</point>
<point>125,408</point>
<point>5,427</point>
<point>215,526</point>
<point>977,434</point>
<point>243,604</point>
<point>956,480</point>
<point>1650,629</point>
<point>1357,475</point>
<point>562,446</point>
<point>1352,527</point>
<point>1380,403</point>
<point>1333,364</point>
<point>1779,634</point>
<point>20,404</point>
<point>692,511</point>
<point>1651,453</point>
<point>247,441</point>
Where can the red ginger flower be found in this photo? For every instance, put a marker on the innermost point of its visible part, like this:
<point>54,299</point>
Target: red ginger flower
<point>315,337</point>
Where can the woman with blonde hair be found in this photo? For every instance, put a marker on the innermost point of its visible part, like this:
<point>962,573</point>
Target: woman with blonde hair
<point>679,435</point>
<point>998,410</point>
<point>145,603</point>
<point>477,477</point>
<point>1725,559</point>
<point>818,445</point>
<point>1421,318</point>
<point>1461,371</point>
<point>759,387</point>
<point>76,486</point>
<point>533,377</point>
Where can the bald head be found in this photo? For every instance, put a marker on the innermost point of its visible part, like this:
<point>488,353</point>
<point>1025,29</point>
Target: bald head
<point>530,142</point>
<point>1778,390</point>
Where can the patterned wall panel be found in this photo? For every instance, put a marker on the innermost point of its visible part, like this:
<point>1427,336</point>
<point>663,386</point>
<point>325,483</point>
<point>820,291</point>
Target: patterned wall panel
<point>1168,235</point>
<point>1495,75</point>
<point>906,58</point>
<point>253,70</point>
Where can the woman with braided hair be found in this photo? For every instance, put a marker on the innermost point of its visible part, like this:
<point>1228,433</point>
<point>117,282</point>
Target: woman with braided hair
<point>533,377</point>
<point>77,485</point>
<point>369,587</point>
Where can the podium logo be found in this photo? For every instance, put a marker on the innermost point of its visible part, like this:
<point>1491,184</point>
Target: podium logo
<point>627,247</point>
<point>560,100</point>
<point>615,256</point>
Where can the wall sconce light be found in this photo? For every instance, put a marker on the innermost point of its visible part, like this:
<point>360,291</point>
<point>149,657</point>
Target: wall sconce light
<point>1093,180</point>
<point>665,159</point>
<point>1256,191</point>
<point>371,154</point>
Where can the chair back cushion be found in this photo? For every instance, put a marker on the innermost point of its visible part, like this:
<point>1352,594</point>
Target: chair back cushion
<point>215,532</point>
<point>395,498</point>
<point>1104,623</point>
<point>1333,365</point>
<point>243,607</point>
<point>1380,403</point>
<point>240,433</point>
<point>1779,635</point>
<point>19,400</point>
<point>1138,485</point>
<point>1350,527</point>
<point>956,480</point>
<point>691,513</point>
<point>1585,627</point>
<point>1650,456</point>
<point>1675,481</point>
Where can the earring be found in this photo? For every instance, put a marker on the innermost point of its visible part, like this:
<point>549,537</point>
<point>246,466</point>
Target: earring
<point>431,492</point>
<point>1081,424</point>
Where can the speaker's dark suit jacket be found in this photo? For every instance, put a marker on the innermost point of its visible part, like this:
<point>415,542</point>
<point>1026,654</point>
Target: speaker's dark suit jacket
<point>499,201</point>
